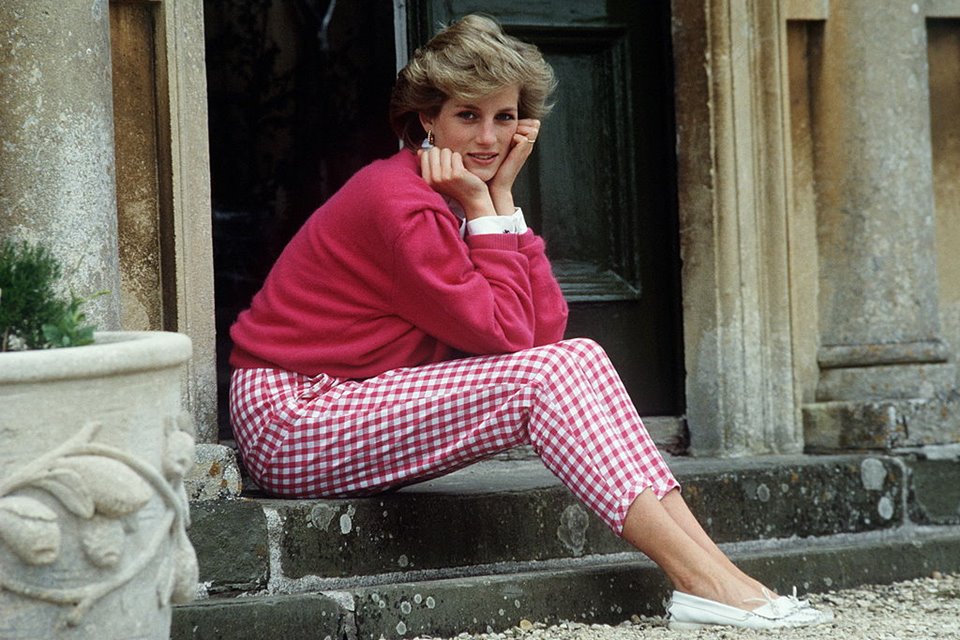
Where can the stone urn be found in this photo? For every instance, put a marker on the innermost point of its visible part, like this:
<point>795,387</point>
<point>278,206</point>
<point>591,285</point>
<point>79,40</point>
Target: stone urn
<point>94,446</point>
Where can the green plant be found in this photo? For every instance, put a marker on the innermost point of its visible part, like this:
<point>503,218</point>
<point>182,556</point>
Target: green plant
<point>32,314</point>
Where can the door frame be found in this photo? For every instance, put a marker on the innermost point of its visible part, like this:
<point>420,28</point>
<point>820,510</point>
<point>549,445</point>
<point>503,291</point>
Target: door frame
<point>735,189</point>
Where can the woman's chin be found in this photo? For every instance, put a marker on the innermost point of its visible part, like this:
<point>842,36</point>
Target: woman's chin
<point>484,173</point>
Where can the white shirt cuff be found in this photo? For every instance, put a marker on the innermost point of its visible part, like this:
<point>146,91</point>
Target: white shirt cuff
<point>519,222</point>
<point>514,223</point>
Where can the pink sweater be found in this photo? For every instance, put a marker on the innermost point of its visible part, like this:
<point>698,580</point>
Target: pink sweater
<point>379,278</point>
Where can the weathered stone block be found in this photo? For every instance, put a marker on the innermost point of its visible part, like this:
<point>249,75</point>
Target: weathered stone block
<point>215,474</point>
<point>934,490</point>
<point>409,532</point>
<point>882,424</point>
<point>936,422</point>
<point>294,617</point>
<point>517,512</point>
<point>833,426</point>
<point>610,592</point>
<point>603,592</point>
<point>783,497</point>
<point>593,591</point>
<point>230,537</point>
<point>888,382</point>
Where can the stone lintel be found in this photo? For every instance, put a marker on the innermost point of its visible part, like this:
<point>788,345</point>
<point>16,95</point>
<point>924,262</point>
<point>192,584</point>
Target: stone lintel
<point>943,9</point>
<point>886,382</point>
<point>837,356</point>
<point>806,9</point>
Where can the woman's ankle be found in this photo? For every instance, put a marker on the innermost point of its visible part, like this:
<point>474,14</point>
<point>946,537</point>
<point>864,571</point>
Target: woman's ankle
<point>731,590</point>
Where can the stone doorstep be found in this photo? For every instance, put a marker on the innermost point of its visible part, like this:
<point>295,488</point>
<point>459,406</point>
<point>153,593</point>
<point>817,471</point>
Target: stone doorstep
<point>591,590</point>
<point>515,513</point>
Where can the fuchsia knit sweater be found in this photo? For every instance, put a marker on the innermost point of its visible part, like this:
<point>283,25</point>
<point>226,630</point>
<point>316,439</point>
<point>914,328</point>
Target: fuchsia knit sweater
<point>379,278</point>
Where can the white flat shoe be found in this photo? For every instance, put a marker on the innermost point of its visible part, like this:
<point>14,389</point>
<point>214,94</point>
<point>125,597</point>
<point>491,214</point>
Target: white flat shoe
<point>685,611</point>
<point>792,598</point>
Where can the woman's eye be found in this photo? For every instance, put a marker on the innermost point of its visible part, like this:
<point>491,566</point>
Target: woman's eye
<point>467,115</point>
<point>505,116</point>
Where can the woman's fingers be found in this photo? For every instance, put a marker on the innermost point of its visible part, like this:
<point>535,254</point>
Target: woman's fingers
<point>457,168</point>
<point>444,171</point>
<point>529,128</point>
<point>425,164</point>
<point>508,171</point>
<point>438,166</point>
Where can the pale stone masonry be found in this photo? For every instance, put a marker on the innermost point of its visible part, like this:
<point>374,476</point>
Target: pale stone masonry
<point>885,371</point>
<point>57,179</point>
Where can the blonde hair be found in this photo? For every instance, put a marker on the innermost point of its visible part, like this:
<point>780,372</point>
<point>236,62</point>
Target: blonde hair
<point>468,60</point>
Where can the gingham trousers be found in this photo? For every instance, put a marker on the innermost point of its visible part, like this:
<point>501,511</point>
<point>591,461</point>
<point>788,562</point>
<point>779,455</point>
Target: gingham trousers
<point>320,436</point>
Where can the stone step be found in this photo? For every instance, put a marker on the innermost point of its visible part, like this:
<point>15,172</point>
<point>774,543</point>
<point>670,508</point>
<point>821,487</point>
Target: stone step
<point>503,540</point>
<point>515,511</point>
<point>596,589</point>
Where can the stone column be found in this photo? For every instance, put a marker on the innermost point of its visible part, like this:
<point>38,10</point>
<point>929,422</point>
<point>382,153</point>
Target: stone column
<point>882,362</point>
<point>732,154</point>
<point>57,183</point>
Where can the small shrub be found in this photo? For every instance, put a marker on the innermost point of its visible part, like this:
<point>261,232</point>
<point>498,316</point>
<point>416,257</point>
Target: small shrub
<point>32,314</point>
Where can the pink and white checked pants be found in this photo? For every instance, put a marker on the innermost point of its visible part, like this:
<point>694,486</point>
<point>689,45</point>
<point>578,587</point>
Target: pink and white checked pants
<point>321,436</point>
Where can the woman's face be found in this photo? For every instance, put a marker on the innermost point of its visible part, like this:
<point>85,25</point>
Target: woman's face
<point>480,130</point>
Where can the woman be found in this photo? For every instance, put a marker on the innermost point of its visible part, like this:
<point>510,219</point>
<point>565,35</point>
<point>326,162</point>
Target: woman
<point>350,375</point>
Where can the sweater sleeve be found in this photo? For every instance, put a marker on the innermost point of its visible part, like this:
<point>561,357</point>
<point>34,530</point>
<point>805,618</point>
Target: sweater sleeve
<point>548,300</point>
<point>474,296</point>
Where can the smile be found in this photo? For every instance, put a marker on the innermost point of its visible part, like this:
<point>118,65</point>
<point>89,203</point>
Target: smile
<point>483,158</point>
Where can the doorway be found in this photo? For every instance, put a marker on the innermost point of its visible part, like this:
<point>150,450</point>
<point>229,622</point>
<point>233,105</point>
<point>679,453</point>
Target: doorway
<point>298,93</point>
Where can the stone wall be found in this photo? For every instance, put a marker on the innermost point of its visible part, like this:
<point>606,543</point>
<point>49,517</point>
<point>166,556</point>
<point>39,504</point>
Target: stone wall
<point>818,163</point>
<point>57,182</point>
<point>886,373</point>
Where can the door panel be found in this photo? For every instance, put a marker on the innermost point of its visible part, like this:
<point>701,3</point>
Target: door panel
<point>585,233</point>
<point>600,184</point>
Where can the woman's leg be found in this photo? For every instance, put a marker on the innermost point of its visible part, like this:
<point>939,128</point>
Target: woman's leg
<point>668,533</point>
<point>327,437</point>
<point>675,505</point>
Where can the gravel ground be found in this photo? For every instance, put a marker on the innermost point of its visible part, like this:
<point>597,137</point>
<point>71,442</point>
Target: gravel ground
<point>923,609</point>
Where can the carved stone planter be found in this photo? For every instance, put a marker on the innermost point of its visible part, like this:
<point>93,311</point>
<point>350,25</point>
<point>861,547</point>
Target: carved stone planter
<point>93,449</point>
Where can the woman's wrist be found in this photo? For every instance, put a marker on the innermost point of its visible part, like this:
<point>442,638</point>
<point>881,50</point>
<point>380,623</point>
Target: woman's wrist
<point>479,207</point>
<point>503,202</point>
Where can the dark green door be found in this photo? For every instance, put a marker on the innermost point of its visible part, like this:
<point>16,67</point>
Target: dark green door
<point>600,186</point>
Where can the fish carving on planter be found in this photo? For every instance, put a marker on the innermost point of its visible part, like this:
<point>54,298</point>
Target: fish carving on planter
<point>104,489</point>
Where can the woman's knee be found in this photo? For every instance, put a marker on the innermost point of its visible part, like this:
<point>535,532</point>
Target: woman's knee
<point>584,350</point>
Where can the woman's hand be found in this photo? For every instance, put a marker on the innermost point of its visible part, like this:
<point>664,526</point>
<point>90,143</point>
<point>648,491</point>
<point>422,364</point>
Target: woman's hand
<point>501,186</point>
<point>443,170</point>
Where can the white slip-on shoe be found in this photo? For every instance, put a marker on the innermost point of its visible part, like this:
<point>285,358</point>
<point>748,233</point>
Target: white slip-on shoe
<point>803,607</point>
<point>792,598</point>
<point>685,611</point>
